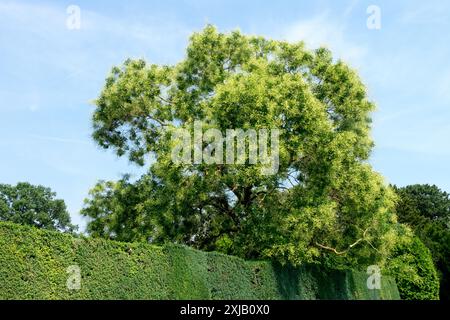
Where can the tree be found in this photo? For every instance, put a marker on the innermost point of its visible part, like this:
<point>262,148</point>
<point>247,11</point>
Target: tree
<point>427,201</point>
<point>33,205</point>
<point>323,199</point>
<point>120,210</point>
<point>414,271</point>
<point>426,209</point>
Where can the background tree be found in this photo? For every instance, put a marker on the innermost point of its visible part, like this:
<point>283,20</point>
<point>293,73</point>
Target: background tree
<point>324,201</point>
<point>33,205</point>
<point>426,209</point>
<point>412,266</point>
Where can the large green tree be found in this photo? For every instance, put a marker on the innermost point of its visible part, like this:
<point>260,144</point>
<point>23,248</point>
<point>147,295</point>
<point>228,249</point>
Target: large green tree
<point>324,201</point>
<point>426,209</point>
<point>33,205</point>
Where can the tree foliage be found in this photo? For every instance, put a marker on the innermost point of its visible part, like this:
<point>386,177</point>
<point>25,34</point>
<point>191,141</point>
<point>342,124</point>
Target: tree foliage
<point>324,201</point>
<point>414,271</point>
<point>33,205</point>
<point>426,209</point>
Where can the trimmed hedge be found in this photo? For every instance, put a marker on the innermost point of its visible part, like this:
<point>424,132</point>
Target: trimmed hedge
<point>34,262</point>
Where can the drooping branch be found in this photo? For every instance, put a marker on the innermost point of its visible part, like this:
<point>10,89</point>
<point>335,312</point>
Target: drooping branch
<point>348,248</point>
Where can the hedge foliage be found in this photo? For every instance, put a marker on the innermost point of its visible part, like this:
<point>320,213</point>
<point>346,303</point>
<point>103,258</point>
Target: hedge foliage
<point>34,262</point>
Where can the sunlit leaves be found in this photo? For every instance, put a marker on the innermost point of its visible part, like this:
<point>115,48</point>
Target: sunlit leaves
<point>323,194</point>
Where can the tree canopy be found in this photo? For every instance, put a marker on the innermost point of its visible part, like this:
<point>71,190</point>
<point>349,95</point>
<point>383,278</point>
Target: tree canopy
<point>33,205</point>
<point>324,201</point>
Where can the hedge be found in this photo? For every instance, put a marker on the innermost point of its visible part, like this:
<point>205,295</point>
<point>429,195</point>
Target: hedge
<point>34,264</point>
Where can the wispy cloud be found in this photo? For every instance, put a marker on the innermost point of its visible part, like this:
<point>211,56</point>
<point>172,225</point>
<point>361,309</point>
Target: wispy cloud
<point>427,13</point>
<point>323,30</point>
<point>349,9</point>
<point>58,139</point>
<point>108,37</point>
<point>68,67</point>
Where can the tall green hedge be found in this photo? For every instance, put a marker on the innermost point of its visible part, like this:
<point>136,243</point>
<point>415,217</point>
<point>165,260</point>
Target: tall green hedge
<point>33,265</point>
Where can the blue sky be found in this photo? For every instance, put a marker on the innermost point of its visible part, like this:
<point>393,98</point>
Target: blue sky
<point>49,74</point>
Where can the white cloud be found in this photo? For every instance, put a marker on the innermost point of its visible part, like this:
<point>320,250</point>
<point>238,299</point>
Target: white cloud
<point>322,30</point>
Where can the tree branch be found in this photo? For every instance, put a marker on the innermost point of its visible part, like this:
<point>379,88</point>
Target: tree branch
<point>349,247</point>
